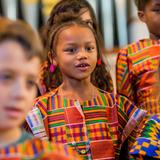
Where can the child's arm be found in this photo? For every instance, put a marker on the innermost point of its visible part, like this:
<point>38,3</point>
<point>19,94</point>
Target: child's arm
<point>38,149</point>
<point>123,79</point>
<point>37,121</point>
<point>148,143</point>
<point>130,119</point>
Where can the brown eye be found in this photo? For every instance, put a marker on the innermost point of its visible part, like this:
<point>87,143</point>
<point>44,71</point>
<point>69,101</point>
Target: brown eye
<point>31,83</point>
<point>6,77</point>
<point>71,50</point>
<point>90,49</point>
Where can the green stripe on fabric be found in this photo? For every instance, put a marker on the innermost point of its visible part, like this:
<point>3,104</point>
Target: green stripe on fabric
<point>121,103</point>
<point>125,73</point>
<point>55,111</point>
<point>123,115</point>
<point>96,121</point>
<point>129,50</point>
<point>56,124</point>
<point>37,128</point>
<point>149,43</point>
<point>65,102</point>
<point>103,98</point>
<point>77,144</point>
<point>139,61</point>
<point>94,108</point>
<point>45,101</point>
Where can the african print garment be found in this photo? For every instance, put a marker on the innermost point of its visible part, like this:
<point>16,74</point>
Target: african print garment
<point>136,74</point>
<point>36,149</point>
<point>148,143</point>
<point>96,128</point>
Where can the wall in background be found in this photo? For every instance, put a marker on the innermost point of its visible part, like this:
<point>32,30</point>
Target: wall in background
<point>117,18</point>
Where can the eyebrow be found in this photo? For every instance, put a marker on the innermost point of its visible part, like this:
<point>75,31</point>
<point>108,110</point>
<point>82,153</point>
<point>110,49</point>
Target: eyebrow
<point>73,43</point>
<point>32,76</point>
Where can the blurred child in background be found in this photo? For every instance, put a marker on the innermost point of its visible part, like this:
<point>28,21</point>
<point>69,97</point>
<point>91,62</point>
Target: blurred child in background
<point>20,58</point>
<point>137,63</point>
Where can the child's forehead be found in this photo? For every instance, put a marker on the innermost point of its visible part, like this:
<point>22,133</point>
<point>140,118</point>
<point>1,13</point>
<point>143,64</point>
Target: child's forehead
<point>76,31</point>
<point>13,54</point>
<point>10,49</point>
<point>151,3</point>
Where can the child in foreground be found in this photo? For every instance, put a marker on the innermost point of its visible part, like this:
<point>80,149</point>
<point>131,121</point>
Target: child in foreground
<point>94,122</point>
<point>20,58</point>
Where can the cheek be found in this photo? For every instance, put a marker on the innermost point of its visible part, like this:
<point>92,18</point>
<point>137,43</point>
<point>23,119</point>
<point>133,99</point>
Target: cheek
<point>65,62</point>
<point>6,93</point>
<point>95,58</point>
<point>30,98</point>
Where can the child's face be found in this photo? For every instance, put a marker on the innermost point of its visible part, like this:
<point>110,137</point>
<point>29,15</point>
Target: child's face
<point>76,52</point>
<point>17,84</point>
<point>151,16</point>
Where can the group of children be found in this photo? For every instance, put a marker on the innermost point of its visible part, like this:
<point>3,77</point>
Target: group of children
<point>78,116</point>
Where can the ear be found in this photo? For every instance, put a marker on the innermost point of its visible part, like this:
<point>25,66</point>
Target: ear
<point>141,16</point>
<point>52,58</point>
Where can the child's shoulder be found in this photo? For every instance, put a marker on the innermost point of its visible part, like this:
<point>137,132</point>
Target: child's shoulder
<point>140,45</point>
<point>38,149</point>
<point>46,96</point>
<point>114,97</point>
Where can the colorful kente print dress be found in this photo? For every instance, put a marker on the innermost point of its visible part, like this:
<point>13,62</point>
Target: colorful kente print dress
<point>136,74</point>
<point>147,145</point>
<point>37,149</point>
<point>96,128</point>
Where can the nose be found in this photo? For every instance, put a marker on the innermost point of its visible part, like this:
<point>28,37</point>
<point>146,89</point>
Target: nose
<point>82,55</point>
<point>19,89</point>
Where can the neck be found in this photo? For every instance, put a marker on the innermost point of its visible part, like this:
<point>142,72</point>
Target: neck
<point>82,90</point>
<point>9,136</point>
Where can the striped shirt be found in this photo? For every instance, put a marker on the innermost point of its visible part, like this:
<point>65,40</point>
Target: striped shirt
<point>136,74</point>
<point>96,127</point>
<point>37,149</point>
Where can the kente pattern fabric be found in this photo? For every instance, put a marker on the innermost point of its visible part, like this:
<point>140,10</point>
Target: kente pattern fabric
<point>148,143</point>
<point>37,149</point>
<point>137,74</point>
<point>98,126</point>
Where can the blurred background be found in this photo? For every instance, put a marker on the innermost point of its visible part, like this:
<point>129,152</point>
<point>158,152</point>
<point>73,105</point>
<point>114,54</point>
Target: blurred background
<point>118,20</point>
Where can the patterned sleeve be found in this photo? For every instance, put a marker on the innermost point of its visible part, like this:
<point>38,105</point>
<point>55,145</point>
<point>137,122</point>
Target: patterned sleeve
<point>37,120</point>
<point>38,149</point>
<point>148,143</point>
<point>130,119</point>
<point>123,77</point>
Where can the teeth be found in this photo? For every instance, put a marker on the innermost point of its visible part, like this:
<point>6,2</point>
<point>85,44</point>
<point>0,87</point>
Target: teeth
<point>82,65</point>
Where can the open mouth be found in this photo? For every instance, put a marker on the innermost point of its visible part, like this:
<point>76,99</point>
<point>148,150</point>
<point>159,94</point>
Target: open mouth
<point>83,66</point>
